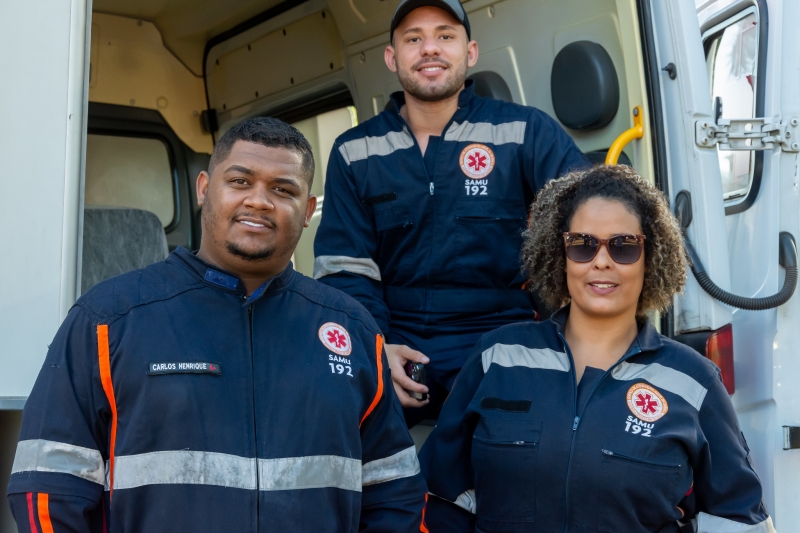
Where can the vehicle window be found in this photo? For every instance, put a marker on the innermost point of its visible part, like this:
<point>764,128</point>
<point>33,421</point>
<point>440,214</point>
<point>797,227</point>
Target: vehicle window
<point>321,131</point>
<point>130,172</point>
<point>731,59</point>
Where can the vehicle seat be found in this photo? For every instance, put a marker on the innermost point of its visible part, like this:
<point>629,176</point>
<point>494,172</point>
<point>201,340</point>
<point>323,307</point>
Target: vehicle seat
<point>491,85</point>
<point>117,240</point>
<point>585,91</point>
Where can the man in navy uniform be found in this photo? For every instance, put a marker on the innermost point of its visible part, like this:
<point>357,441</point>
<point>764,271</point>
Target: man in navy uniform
<point>222,390</point>
<point>425,203</point>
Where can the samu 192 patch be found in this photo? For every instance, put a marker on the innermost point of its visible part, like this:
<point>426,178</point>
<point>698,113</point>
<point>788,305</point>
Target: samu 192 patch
<point>183,367</point>
<point>335,338</point>
<point>646,403</point>
<point>476,161</point>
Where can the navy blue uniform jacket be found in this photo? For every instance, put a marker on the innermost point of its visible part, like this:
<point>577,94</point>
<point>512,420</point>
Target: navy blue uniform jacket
<point>513,452</point>
<point>171,402</point>
<point>412,237</point>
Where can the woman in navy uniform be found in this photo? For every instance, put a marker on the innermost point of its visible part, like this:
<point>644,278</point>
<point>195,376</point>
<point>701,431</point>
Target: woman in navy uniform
<point>592,420</point>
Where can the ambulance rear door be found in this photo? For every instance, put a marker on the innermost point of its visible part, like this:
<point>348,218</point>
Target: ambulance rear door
<point>753,69</point>
<point>680,90</point>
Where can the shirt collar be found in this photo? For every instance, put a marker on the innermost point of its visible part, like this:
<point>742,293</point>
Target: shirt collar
<point>647,339</point>
<point>220,279</point>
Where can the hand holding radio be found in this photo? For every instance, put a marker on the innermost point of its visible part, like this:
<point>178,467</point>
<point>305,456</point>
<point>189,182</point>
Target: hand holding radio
<point>405,386</point>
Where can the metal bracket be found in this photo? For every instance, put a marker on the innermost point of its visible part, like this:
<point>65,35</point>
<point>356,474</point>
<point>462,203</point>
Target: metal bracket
<point>791,438</point>
<point>742,134</point>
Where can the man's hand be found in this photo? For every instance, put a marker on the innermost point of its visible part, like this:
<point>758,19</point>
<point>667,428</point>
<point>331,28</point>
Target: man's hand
<point>398,355</point>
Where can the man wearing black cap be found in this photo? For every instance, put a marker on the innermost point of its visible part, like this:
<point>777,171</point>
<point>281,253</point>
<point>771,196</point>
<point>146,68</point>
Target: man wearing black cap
<point>425,203</point>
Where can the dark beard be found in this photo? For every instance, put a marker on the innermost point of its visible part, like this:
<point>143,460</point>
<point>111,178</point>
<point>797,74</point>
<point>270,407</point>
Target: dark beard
<point>443,92</point>
<point>258,255</point>
<point>210,219</point>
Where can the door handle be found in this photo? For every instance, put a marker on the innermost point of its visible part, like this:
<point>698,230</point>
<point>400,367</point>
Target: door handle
<point>636,132</point>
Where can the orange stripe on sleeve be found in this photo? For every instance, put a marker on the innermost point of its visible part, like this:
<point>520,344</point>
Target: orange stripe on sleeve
<point>422,527</point>
<point>108,388</point>
<point>44,513</point>
<point>379,393</point>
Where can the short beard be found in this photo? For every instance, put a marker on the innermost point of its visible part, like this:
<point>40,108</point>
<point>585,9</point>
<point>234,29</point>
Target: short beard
<point>433,94</point>
<point>247,255</point>
<point>209,221</point>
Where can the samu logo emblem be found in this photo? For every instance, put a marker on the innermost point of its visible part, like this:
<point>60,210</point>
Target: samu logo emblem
<point>646,402</point>
<point>477,161</point>
<point>335,338</point>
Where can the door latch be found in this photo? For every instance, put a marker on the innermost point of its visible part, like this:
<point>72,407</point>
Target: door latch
<point>741,134</point>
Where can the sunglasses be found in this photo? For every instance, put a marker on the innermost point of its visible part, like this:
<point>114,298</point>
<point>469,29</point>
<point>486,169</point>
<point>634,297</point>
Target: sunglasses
<point>623,249</point>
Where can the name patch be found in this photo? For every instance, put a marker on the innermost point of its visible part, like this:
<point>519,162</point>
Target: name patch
<point>515,406</point>
<point>183,367</point>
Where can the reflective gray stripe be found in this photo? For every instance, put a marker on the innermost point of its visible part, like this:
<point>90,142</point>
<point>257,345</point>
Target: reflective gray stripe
<point>485,132</point>
<point>400,465</point>
<point>184,467</point>
<point>509,355</point>
<point>331,264</point>
<point>61,458</point>
<point>666,378</point>
<point>359,149</point>
<point>312,472</point>
<point>465,500</point>
<point>706,523</point>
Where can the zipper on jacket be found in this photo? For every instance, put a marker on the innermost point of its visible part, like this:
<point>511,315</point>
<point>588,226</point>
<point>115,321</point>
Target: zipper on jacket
<point>636,459</point>
<point>431,178</point>
<point>575,422</point>
<point>577,419</point>
<point>255,416</point>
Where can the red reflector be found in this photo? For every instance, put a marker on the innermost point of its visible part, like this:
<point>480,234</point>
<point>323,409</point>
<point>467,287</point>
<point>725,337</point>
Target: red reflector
<point>719,348</point>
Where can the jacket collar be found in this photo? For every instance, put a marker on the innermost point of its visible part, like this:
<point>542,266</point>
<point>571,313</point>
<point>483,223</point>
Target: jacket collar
<point>465,97</point>
<point>219,279</point>
<point>647,339</point>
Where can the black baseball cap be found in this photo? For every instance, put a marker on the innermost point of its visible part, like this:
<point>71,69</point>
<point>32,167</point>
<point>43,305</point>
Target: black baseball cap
<point>453,7</point>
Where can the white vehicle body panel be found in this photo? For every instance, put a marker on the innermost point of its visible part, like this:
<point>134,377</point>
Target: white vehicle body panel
<point>44,102</point>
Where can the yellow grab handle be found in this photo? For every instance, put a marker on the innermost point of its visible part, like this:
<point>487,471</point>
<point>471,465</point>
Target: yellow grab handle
<point>636,132</point>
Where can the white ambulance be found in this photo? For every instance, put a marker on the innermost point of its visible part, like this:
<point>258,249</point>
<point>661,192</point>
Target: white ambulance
<point>110,108</point>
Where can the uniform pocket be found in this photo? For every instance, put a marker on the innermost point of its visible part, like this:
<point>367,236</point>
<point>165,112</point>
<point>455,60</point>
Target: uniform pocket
<point>504,456</point>
<point>389,217</point>
<point>488,238</point>
<point>641,476</point>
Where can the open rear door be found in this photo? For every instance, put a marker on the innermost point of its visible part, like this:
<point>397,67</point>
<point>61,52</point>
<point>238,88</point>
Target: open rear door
<point>677,51</point>
<point>753,70</point>
<point>731,120</point>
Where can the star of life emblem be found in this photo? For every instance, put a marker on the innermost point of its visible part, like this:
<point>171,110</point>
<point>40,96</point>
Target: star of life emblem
<point>335,338</point>
<point>477,161</point>
<point>646,403</point>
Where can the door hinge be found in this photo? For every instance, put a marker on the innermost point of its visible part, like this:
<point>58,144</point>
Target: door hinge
<point>739,134</point>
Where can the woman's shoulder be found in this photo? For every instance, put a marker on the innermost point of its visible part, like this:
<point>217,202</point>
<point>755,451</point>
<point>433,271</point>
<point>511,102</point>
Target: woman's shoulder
<point>530,334</point>
<point>687,360</point>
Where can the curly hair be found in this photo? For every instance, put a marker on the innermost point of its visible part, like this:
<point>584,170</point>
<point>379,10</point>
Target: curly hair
<point>543,246</point>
